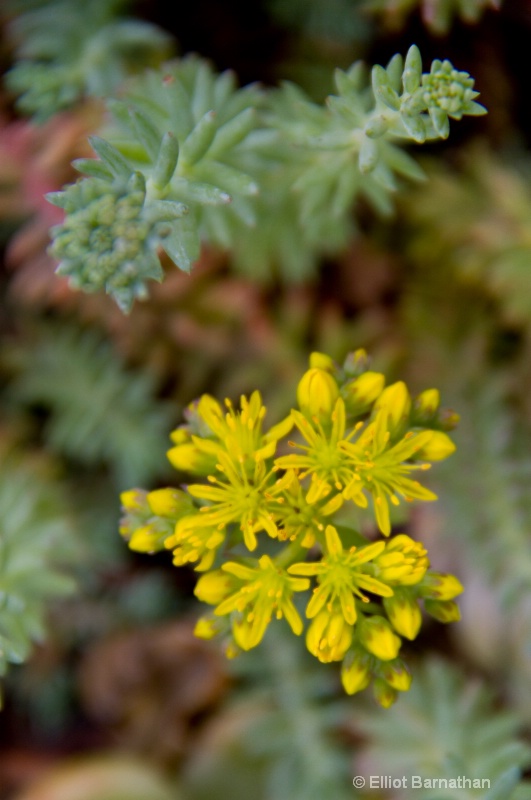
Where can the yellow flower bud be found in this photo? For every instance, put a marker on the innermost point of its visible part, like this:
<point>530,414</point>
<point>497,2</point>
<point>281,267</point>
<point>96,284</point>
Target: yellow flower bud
<point>329,637</point>
<point>356,362</point>
<point>213,587</point>
<point>317,393</point>
<point>448,419</point>
<point>396,674</point>
<point>208,626</point>
<point>180,435</point>
<point>362,392</point>
<point>137,512</point>
<point>443,610</point>
<point>439,447</point>
<point>172,503</point>
<point>384,694</point>
<point>395,400</point>
<point>426,404</point>
<point>134,500</point>
<point>355,671</point>
<point>377,637</point>
<point>322,361</point>
<point>232,650</point>
<point>440,586</point>
<point>404,561</point>
<point>187,457</point>
<point>404,613</point>
<point>148,539</point>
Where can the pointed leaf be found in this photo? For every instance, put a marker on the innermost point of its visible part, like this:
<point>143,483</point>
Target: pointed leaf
<point>382,88</point>
<point>111,157</point>
<point>166,161</point>
<point>93,168</point>
<point>199,140</point>
<point>183,245</point>
<point>233,132</point>
<point>415,127</point>
<point>146,132</point>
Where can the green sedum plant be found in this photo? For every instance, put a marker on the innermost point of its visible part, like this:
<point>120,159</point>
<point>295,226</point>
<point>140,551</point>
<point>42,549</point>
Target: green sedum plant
<point>67,51</point>
<point>264,526</point>
<point>36,542</point>
<point>270,176</point>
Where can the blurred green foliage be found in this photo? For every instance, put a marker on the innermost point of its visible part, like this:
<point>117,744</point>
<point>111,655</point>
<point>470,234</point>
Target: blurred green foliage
<point>67,51</point>
<point>37,543</point>
<point>447,726</point>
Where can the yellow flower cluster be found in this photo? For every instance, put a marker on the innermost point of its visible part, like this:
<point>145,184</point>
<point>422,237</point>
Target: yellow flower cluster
<point>356,442</point>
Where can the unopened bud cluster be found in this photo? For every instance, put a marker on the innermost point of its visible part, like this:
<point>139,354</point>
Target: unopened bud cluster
<point>109,237</point>
<point>448,88</point>
<point>356,443</point>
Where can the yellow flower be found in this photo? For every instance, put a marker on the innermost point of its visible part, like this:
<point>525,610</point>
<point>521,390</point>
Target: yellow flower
<point>192,542</point>
<point>357,439</point>
<point>341,576</point>
<point>383,470</point>
<point>236,433</point>
<point>323,457</point>
<point>253,595</point>
<point>239,433</point>
<point>295,515</point>
<point>238,498</point>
